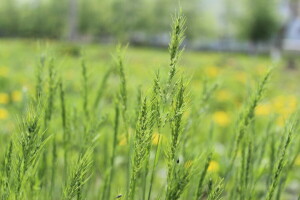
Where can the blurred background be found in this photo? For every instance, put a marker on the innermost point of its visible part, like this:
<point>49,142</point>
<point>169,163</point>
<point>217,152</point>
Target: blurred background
<point>263,26</point>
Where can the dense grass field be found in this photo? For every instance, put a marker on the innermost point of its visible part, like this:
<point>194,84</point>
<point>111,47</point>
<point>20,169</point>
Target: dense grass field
<point>82,121</point>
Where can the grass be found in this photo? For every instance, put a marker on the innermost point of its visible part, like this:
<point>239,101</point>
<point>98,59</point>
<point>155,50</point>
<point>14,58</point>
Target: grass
<point>145,123</point>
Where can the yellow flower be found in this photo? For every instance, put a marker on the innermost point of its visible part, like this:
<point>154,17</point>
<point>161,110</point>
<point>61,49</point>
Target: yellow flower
<point>213,166</point>
<point>156,138</point>
<point>263,109</point>
<point>241,77</point>
<point>223,95</point>
<point>285,105</point>
<point>16,96</point>
<point>188,164</point>
<point>3,71</point>
<point>221,118</point>
<point>4,98</point>
<point>212,71</point>
<point>3,113</point>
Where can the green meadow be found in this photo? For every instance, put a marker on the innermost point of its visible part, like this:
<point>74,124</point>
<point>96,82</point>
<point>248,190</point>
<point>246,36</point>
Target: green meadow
<point>96,121</point>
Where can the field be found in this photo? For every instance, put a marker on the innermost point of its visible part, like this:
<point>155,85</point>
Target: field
<point>91,121</point>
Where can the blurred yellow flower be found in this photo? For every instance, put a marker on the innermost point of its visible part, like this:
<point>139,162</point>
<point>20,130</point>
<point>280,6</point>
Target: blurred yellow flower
<point>263,109</point>
<point>279,104</point>
<point>213,166</point>
<point>223,95</point>
<point>241,77</point>
<point>221,118</point>
<point>285,105</point>
<point>188,164</point>
<point>3,113</point>
<point>155,138</point>
<point>16,96</point>
<point>3,71</point>
<point>212,71</point>
<point>4,98</point>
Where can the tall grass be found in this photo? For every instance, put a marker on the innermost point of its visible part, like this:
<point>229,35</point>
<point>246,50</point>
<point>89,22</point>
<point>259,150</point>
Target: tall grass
<point>107,142</point>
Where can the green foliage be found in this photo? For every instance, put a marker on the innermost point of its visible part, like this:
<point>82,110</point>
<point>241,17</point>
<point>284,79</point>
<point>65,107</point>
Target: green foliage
<point>262,20</point>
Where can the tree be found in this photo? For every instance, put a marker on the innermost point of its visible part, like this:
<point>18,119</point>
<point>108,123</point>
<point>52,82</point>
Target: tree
<point>261,21</point>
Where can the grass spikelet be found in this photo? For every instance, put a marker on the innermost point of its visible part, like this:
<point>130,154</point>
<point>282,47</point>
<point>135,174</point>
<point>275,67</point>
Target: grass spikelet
<point>156,100</point>
<point>6,176</point>
<point>8,160</point>
<point>123,83</point>
<point>289,130</point>
<point>176,121</point>
<point>180,179</point>
<point>29,144</point>
<point>248,114</point>
<point>65,126</point>
<point>142,141</point>
<point>101,88</point>
<point>39,79</point>
<point>176,129</point>
<point>177,37</point>
<point>51,92</point>
<point>85,91</point>
<point>107,188</point>
<point>216,191</point>
<point>202,177</point>
<point>79,176</point>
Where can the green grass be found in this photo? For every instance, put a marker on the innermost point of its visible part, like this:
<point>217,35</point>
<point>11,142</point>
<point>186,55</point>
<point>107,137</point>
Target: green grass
<point>139,123</point>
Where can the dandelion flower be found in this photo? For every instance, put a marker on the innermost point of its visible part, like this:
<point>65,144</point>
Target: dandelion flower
<point>285,105</point>
<point>213,166</point>
<point>3,71</point>
<point>212,71</point>
<point>241,77</point>
<point>4,98</point>
<point>3,114</point>
<point>221,118</point>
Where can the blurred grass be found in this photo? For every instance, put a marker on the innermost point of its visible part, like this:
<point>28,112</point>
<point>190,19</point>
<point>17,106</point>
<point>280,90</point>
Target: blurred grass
<point>234,72</point>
